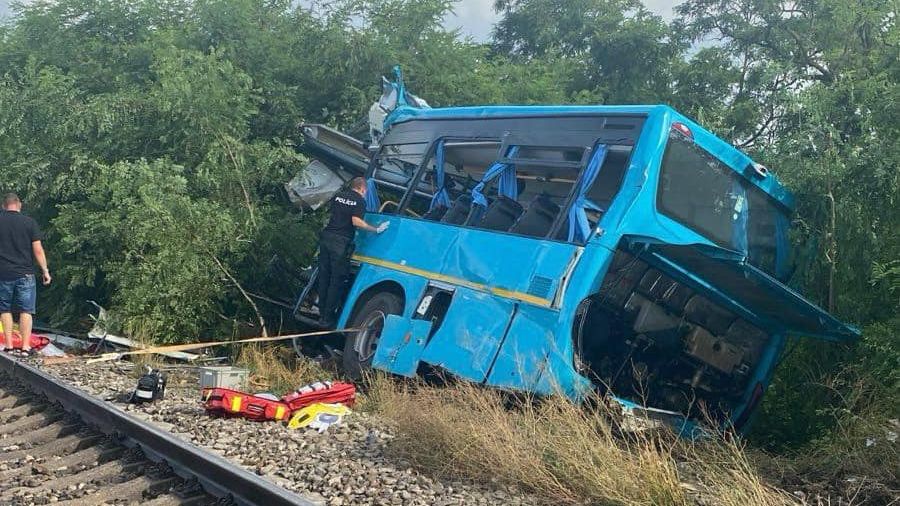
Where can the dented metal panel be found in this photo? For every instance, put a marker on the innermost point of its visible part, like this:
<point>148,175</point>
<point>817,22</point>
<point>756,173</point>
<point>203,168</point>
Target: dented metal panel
<point>504,265</point>
<point>470,337</point>
<point>401,345</point>
<point>523,358</point>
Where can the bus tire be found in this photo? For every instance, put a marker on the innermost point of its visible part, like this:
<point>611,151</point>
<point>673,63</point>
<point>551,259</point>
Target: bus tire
<point>370,318</point>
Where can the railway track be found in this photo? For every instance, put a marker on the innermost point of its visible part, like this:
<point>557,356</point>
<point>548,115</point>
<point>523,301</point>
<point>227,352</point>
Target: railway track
<point>58,445</point>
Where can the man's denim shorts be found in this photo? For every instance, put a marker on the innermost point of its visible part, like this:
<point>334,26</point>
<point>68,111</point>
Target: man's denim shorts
<point>18,296</point>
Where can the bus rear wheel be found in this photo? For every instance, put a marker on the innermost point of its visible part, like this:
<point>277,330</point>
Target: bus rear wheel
<point>360,346</point>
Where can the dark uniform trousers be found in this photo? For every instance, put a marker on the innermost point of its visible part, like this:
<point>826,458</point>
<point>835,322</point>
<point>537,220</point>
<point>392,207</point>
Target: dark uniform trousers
<point>334,267</point>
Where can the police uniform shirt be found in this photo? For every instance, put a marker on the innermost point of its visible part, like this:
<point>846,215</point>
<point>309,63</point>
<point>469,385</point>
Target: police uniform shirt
<point>344,206</point>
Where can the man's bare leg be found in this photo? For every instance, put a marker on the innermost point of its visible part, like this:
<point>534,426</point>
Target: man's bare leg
<point>25,330</point>
<point>7,320</point>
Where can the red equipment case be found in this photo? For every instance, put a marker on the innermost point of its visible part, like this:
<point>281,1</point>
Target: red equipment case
<point>325,392</point>
<point>253,407</point>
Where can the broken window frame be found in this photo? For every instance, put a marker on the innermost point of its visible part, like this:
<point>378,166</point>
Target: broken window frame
<point>530,141</point>
<point>615,129</point>
<point>503,147</point>
<point>402,190</point>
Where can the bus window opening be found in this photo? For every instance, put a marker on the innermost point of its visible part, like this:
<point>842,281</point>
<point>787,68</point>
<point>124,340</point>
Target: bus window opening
<point>394,169</point>
<point>545,181</point>
<point>702,193</point>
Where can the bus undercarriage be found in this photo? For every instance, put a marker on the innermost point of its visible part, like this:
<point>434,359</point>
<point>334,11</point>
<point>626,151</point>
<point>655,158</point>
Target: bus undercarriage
<point>651,339</point>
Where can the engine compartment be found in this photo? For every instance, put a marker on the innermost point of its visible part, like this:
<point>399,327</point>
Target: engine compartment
<point>655,341</point>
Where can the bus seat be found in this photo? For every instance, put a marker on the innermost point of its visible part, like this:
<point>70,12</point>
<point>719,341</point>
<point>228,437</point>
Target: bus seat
<point>476,213</point>
<point>538,217</point>
<point>459,211</point>
<point>501,215</point>
<point>435,213</point>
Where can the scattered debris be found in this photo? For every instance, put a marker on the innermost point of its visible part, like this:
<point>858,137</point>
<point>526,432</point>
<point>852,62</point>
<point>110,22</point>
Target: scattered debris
<point>99,333</point>
<point>151,387</point>
<point>224,376</point>
<point>329,398</point>
<point>168,349</point>
<point>318,416</point>
<point>64,340</point>
<point>52,351</point>
<point>350,464</point>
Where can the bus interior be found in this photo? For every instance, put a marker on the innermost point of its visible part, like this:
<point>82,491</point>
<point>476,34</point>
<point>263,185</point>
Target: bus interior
<point>545,179</point>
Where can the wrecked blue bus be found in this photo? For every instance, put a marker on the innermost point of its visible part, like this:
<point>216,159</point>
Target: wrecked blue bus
<point>572,249</point>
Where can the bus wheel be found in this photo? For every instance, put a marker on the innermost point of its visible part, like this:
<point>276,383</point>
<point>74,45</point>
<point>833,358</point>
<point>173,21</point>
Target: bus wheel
<point>359,348</point>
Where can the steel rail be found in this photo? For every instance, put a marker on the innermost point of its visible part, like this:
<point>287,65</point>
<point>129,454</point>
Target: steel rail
<point>218,477</point>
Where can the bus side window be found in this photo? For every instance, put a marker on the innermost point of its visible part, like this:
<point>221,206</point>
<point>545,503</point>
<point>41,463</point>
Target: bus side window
<point>464,164</point>
<point>394,168</point>
<point>609,181</point>
<point>545,188</point>
<point>768,227</point>
<point>545,179</point>
<point>549,186</point>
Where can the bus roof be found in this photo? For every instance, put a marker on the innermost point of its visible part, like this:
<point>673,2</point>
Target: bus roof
<point>723,149</point>
<point>402,114</point>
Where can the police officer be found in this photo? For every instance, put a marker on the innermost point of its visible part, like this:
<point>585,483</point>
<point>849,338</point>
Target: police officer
<point>336,245</point>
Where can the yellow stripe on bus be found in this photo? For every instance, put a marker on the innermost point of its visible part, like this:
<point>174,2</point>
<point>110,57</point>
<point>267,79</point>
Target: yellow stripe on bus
<point>510,294</point>
<point>279,412</point>
<point>236,403</point>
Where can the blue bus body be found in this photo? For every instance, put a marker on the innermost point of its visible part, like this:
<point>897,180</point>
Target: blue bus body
<point>530,313</point>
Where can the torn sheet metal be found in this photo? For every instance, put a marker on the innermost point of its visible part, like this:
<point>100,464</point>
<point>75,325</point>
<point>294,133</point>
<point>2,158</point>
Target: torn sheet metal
<point>314,186</point>
<point>99,333</point>
<point>128,343</point>
<point>470,335</point>
<point>335,148</point>
<point>393,95</point>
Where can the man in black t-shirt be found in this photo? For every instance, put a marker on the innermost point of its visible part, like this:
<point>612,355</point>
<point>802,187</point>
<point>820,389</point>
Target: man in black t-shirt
<point>336,245</point>
<point>20,248</point>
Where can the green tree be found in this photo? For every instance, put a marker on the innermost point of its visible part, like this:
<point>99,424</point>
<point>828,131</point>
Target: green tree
<point>827,83</point>
<point>623,52</point>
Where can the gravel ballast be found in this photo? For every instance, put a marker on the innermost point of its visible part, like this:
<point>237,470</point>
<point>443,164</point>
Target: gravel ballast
<point>347,465</point>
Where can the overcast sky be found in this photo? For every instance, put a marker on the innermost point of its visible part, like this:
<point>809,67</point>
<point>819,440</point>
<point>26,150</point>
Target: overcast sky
<point>476,17</point>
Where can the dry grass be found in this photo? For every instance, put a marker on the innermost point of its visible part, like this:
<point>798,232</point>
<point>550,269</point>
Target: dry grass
<point>722,471</point>
<point>559,451</point>
<point>562,452</point>
<point>141,362</point>
<point>277,368</point>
